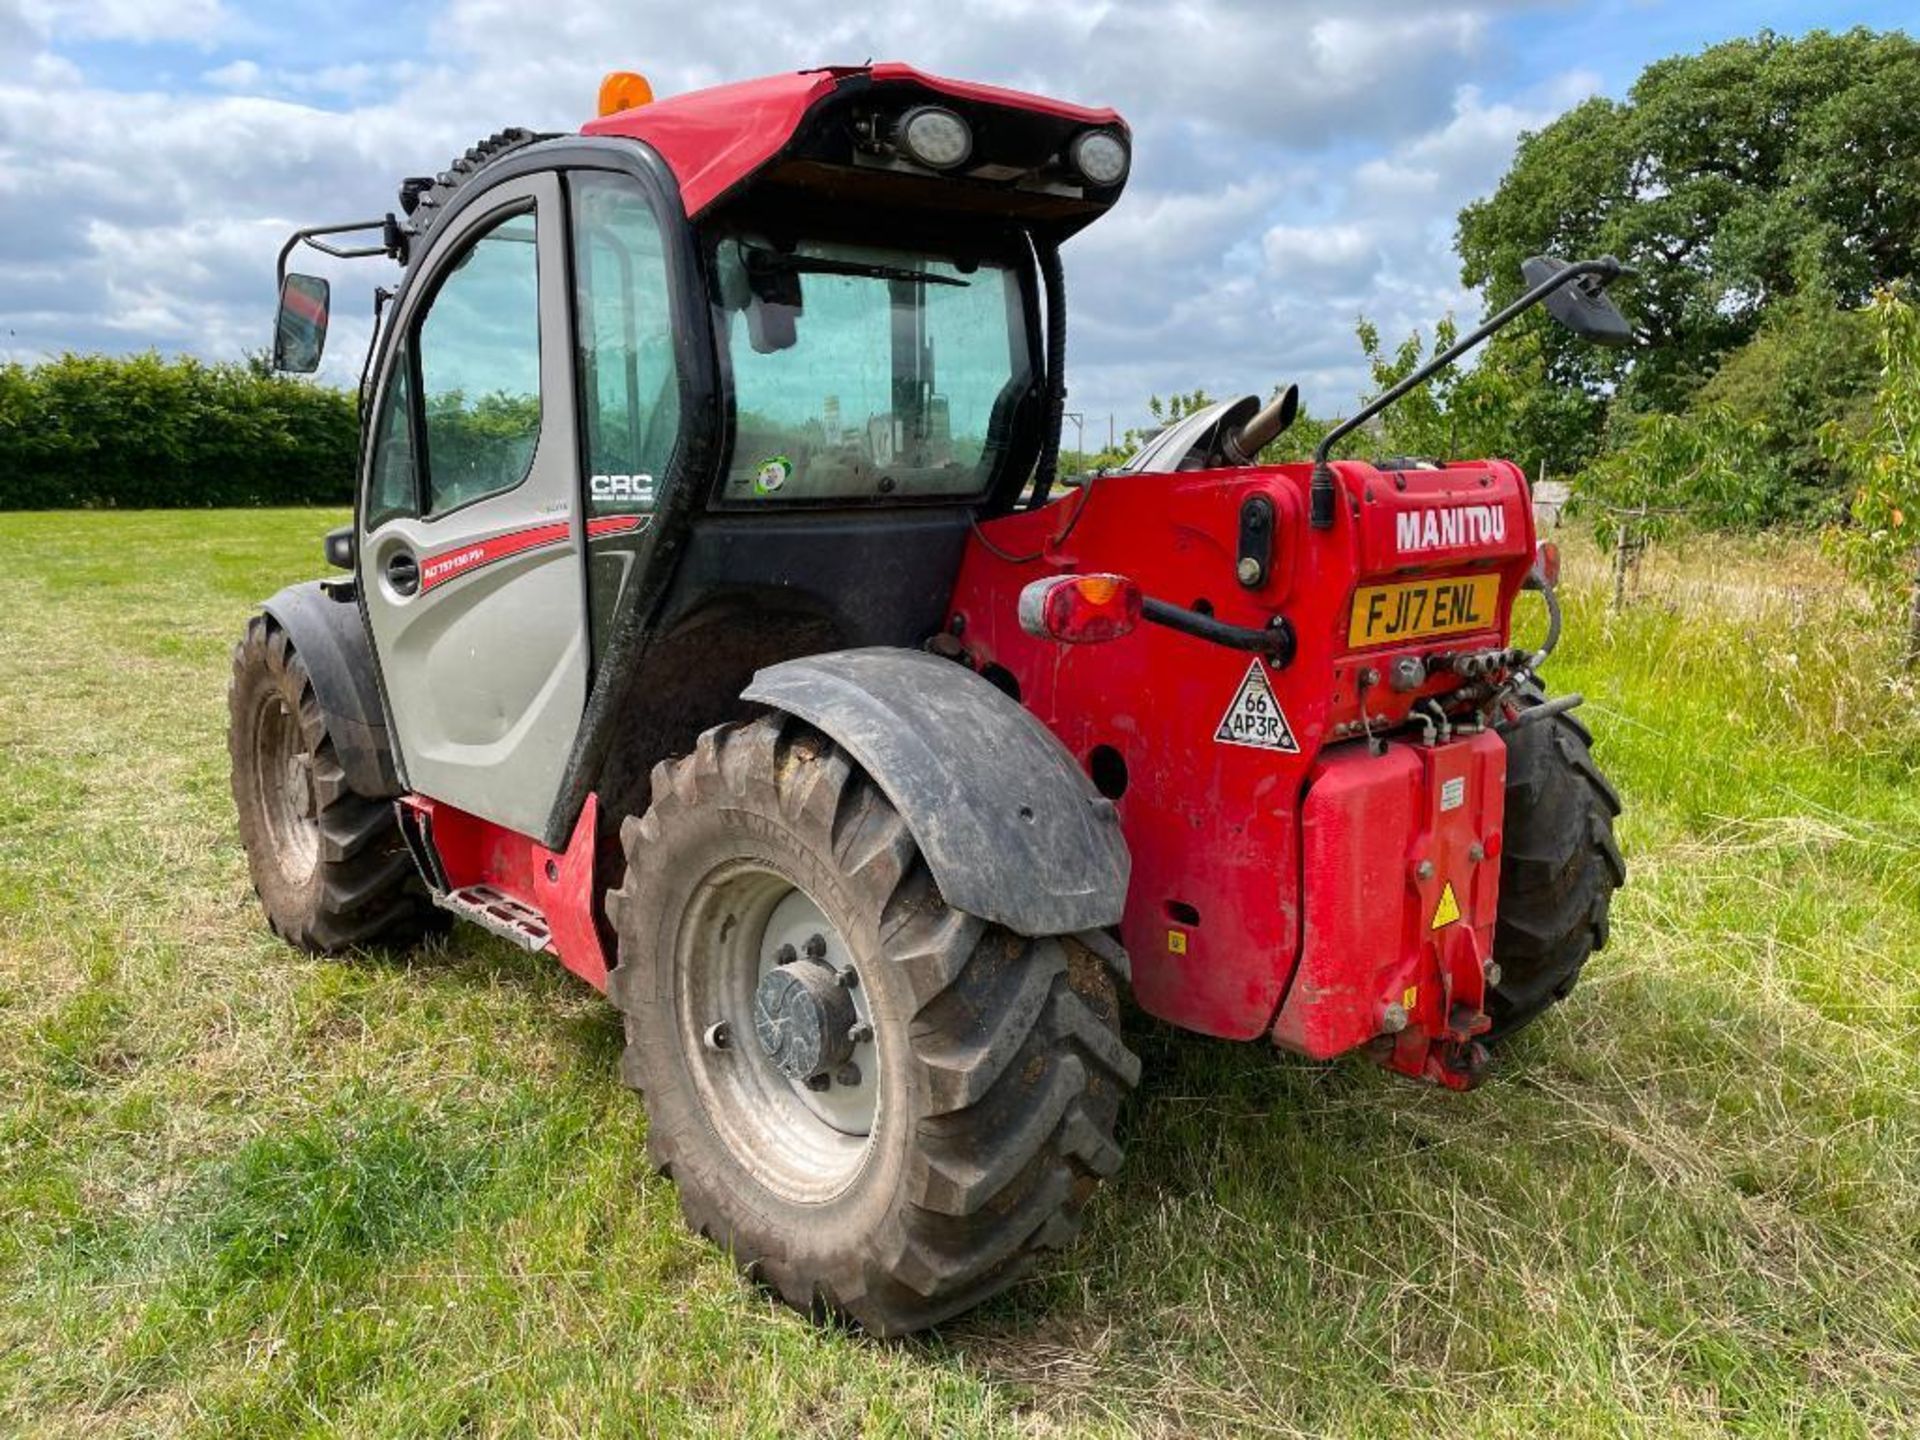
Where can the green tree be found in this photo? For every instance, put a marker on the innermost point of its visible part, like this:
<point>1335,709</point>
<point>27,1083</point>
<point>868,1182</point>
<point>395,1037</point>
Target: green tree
<point>1733,178</point>
<point>1883,542</point>
<point>1177,406</point>
<point>1491,409</point>
<point>1698,466</point>
<point>1811,365</point>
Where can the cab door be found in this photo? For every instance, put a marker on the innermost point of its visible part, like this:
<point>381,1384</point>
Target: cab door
<point>471,537</point>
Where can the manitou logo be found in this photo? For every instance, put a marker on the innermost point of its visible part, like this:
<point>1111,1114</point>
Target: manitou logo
<point>1418,530</point>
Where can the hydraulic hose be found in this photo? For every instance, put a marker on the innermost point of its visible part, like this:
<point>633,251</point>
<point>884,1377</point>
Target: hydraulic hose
<point>1048,466</point>
<point>1553,625</point>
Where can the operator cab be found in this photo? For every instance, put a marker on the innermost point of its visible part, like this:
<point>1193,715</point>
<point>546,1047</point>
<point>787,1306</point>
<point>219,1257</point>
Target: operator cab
<point>725,379</point>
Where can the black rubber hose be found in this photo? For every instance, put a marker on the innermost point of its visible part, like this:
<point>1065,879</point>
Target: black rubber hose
<point>1552,641</point>
<point>1048,467</point>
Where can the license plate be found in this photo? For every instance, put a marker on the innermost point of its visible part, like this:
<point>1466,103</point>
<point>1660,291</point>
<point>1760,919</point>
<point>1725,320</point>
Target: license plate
<point>1420,609</point>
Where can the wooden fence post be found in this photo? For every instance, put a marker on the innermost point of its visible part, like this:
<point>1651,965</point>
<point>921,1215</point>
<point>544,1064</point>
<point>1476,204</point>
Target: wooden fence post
<point>1620,543</point>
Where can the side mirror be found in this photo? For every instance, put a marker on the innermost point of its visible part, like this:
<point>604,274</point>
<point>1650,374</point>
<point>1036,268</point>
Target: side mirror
<point>339,548</point>
<point>1582,305</point>
<point>300,333</point>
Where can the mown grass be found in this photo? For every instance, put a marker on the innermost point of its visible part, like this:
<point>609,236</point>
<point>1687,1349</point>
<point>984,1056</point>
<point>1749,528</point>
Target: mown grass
<point>245,1192</point>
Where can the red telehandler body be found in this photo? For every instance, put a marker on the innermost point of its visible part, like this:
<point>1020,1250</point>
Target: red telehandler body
<point>715,621</point>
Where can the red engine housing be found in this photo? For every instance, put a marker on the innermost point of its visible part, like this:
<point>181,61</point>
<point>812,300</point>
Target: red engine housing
<point>1301,890</point>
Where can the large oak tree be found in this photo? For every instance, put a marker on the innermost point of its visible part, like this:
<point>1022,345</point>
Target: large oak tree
<point>1736,178</point>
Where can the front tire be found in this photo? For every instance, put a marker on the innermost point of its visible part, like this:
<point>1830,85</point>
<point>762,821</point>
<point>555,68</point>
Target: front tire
<point>974,1122</point>
<point>328,864</point>
<point>1559,868</point>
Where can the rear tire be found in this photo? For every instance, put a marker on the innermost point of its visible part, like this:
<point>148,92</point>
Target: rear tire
<point>995,1065</point>
<point>1558,870</point>
<point>328,864</point>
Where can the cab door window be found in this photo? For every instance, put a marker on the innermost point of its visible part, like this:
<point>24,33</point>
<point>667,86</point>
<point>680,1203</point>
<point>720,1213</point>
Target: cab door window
<point>629,383</point>
<point>478,352</point>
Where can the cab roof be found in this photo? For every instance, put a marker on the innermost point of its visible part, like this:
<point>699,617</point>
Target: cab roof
<point>714,139</point>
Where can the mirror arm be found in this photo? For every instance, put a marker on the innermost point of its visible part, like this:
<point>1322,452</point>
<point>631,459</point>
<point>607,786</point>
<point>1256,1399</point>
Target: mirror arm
<point>1321,509</point>
<point>311,236</point>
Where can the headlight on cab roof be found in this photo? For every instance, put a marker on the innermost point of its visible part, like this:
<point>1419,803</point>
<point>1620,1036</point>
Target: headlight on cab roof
<point>935,137</point>
<point>1101,157</point>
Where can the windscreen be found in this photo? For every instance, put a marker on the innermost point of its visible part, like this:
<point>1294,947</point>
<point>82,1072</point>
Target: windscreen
<point>867,373</point>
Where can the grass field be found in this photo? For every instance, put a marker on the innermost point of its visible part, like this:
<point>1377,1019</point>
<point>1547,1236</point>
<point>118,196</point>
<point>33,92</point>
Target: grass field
<point>245,1192</point>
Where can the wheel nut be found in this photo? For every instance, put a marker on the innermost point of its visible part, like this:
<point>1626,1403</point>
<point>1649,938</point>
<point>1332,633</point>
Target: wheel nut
<point>1493,972</point>
<point>1393,1019</point>
<point>719,1036</point>
<point>860,1033</point>
<point>848,979</point>
<point>848,1074</point>
<point>816,947</point>
<point>785,955</point>
<point>822,1081</point>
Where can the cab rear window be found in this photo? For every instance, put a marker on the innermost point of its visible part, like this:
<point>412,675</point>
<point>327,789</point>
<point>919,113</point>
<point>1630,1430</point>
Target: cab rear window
<point>867,373</point>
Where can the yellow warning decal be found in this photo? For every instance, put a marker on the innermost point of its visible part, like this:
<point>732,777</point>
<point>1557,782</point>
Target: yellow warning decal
<point>1410,997</point>
<point>1448,910</point>
<point>1177,942</point>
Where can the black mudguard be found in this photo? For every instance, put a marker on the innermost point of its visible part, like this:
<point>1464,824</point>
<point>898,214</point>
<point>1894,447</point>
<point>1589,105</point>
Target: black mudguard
<point>1011,829</point>
<point>322,618</point>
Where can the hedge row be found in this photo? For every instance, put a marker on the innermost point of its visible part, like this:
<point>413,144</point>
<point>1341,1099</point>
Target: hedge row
<point>90,430</point>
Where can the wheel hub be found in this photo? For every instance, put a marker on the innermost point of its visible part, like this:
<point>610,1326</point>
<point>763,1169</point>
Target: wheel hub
<point>804,1017</point>
<point>778,1027</point>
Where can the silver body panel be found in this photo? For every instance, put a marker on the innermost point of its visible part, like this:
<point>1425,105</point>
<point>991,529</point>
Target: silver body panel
<point>486,673</point>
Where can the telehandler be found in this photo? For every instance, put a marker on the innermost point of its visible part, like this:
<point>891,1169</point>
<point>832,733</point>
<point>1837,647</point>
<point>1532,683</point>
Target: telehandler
<point>714,618</point>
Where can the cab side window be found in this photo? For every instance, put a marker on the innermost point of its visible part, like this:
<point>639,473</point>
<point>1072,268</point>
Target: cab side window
<point>478,351</point>
<point>629,384</point>
<point>393,490</point>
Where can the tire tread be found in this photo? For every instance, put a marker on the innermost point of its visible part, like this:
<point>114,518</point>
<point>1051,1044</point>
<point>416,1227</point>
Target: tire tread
<point>369,892</point>
<point>1015,1041</point>
<point>1559,869</point>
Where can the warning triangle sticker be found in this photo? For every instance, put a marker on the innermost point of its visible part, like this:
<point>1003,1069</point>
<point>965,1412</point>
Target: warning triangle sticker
<point>1255,717</point>
<point>1448,910</point>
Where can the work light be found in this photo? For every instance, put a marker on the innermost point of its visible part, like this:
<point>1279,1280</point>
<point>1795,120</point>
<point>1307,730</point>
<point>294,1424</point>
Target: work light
<point>935,138</point>
<point>1101,157</point>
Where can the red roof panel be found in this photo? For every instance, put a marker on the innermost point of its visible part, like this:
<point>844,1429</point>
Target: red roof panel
<point>713,139</point>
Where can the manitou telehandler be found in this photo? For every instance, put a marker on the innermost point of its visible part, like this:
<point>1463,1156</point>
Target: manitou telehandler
<point>713,622</point>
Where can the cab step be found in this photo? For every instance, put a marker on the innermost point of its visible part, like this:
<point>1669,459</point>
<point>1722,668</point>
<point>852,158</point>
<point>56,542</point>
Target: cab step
<point>512,920</point>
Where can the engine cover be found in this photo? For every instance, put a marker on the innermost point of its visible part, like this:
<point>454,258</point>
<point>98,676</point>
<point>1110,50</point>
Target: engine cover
<point>1263,835</point>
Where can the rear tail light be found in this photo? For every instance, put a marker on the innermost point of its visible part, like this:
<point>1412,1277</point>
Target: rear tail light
<point>1546,562</point>
<point>1080,609</point>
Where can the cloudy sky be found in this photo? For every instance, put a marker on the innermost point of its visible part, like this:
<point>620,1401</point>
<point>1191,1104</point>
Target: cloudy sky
<point>1298,163</point>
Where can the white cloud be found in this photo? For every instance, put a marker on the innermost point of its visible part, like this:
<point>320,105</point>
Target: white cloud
<point>236,75</point>
<point>1345,254</point>
<point>135,20</point>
